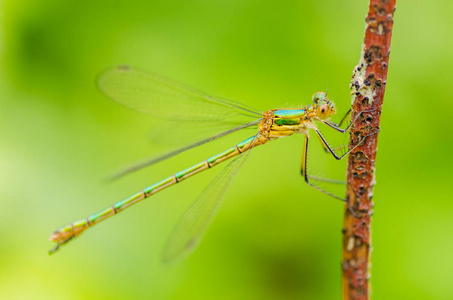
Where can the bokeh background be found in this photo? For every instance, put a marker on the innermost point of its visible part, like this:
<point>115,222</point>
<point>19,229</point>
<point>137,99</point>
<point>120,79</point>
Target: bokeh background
<point>275,237</point>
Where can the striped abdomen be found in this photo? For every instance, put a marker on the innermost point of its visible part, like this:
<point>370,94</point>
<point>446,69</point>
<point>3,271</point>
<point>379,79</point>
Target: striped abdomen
<point>72,230</point>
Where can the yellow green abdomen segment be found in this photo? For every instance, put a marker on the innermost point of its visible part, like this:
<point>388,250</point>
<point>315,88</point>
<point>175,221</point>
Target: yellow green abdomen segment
<point>66,233</point>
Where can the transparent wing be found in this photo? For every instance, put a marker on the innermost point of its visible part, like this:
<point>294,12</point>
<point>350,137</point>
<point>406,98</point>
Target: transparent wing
<point>156,159</point>
<point>195,221</point>
<point>175,134</point>
<point>164,98</point>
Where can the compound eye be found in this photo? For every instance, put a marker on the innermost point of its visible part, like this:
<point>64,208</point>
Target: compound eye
<point>323,111</point>
<point>319,96</point>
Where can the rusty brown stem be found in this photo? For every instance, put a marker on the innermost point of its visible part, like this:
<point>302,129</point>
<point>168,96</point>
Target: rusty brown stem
<point>368,86</point>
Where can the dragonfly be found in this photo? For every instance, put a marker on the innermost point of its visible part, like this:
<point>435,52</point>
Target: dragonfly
<point>163,98</point>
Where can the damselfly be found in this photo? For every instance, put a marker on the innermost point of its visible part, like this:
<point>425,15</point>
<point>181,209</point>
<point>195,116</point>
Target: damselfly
<point>163,98</point>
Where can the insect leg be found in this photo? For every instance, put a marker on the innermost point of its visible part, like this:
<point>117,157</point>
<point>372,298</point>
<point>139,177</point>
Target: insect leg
<point>337,127</point>
<point>349,151</point>
<point>307,177</point>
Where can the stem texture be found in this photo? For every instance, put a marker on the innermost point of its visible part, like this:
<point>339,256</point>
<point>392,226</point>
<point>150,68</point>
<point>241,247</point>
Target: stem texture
<point>368,86</point>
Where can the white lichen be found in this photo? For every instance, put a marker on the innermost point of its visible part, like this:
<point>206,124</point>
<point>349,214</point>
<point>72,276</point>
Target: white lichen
<point>358,79</point>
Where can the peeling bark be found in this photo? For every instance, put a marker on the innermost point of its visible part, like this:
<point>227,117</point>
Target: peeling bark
<point>368,86</point>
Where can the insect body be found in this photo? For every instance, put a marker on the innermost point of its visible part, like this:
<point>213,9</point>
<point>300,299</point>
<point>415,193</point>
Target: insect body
<point>157,96</point>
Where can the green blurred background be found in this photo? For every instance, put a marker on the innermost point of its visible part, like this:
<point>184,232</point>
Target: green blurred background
<point>275,237</point>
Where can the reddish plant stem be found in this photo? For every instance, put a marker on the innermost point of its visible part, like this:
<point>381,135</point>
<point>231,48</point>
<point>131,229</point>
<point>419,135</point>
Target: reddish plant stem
<point>368,86</point>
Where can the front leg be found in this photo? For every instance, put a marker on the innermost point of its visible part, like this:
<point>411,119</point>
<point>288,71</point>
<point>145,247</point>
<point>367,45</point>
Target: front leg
<point>337,126</point>
<point>326,145</point>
